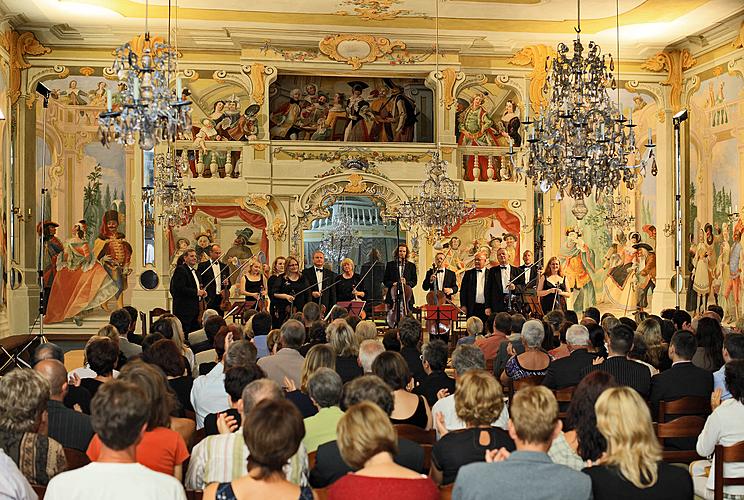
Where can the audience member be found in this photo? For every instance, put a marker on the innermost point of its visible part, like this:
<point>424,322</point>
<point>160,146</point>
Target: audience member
<point>198,339</point>
<point>391,341</point>
<point>324,389</point>
<point>236,379</point>
<point>733,348</point>
<point>365,330</point>
<point>527,472</point>
<point>287,362</point>
<point>709,336</point>
<point>101,355</point>
<point>501,328</point>
<point>131,333</point>
<point>316,334</point>
<point>639,354</point>
<point>343,341</point>
<point>353,320</point>
<point>597,338</point>
<point>110,332</point>
<point>629,322</point>
<point>656,355</point>
<point>609,321</point>
<point>632,466</point>
<point>311,313</point>
<point>408,408</point>
<point>366,440</point>
<point>261,326</point>
<point>72,429</point>
<point>434,359</point>
<point>581,441</point>
<point>23,418</point>
<point>593,313</point>
<point>682,320</point>
<point>13,486</point>
<point>479,401</point>
<point>206,351</point>
<point>473,328</point>
<point>121,320</point>
<point>533,362</point>
<point>368,352</point>
<point>566,372</point>
<point>165,355</point>
<point>75,395</point>
<point>120,421</point>
<point>272,342</point>
<point>517,347</point>
<point>319,356</point>
<point>409,333</point>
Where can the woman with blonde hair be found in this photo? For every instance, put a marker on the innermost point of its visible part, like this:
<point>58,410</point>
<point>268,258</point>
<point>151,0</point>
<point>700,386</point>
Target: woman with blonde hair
<point>319,356</point>
<point>366,330</point>
<point>277,271</point>
<point>551,287</point>
<point>368,442</point>
<point>632,466</point>
<point>348,287</point>
<point>251,284</point>
<point>650,330</point>
<point>346,345</point>
<point>473,327</point>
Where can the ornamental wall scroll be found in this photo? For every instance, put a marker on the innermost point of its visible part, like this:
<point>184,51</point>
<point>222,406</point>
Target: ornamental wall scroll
<point>356,50</point>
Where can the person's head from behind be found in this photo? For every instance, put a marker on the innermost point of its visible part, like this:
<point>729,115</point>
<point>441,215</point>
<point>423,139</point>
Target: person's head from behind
<point>715,308</point>
<point>368,388</point>
<point>368,352</point>
<point>319,356</point>
<point>629,322</point>
<point>363,432</point>
<point>479,399</point>
<point>341,338</point>
<point>311,312</point>
<point>533,334</point>
<point>133,313</point>
<point>324,388</point>
<point>101,355</point>
<point>517,322</point>
<point>237,379</point>
<point>117,414</point>
<point>23,401</point>
<point>261,323</point>
<point>502,322</point>
<point>409,332</point>
<point>577,337</point>
<point>434,356</point>
<point>257,391</point>
<point>48,350</point>
<point>534,418</point>
<point>391,341</point>
<point>212,325</point>
<point>121,320</point>
<point>366,330</point>
<point>165,355</point>
<point>467,357</point>
<point>208,313</point>
<point>683,346</point>
<point>682,320</point>
<point>624,420</point>
<point>275,432</point>
<point>581,417</point>
<point>474,326</point>
<point>621,340</point>
<point>609,322</point>
<point>56,374</point>
<point>157,397</point>
<point>392,368</point>
<point>241,353</point>
<point>554,318</point>
<point>149,341</point>
<point>164,327</point>
<point>338,312</point>
<point>733,347</point>
<point>592,312</point>
<point>734,376</point>
<point>710,337</point>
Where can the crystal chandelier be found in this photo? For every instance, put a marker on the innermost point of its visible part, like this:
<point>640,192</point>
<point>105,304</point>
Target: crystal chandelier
<point>176,201</point>
<point>617,214</point>
<point>582,142</point>
<point>437,206</point>
<point>341,239</point>
<point>147,111</point>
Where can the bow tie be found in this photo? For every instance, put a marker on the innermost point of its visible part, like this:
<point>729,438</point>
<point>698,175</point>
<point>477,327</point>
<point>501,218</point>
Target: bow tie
<point>440,270</point>
<point>478,270</point>
<point>318,270</point>
<point>502,267</point>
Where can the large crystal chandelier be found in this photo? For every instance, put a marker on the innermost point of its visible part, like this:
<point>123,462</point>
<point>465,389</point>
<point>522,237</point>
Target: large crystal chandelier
<point>437,206</point>
<point>147,111</point>
<point>582,142</point>
<point>341,239</point>
<point>176,201</point>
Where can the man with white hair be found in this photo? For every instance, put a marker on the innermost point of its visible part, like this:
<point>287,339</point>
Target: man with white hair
<point>200,336</point>
<point>368,352</point>
<point>566,372</point>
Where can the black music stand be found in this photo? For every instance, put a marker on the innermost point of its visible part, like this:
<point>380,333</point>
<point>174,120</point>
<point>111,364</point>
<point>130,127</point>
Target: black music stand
<point>354,307</point>
<point>445,312</point>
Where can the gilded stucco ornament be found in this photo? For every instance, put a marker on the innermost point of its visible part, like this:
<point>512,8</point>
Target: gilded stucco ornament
<point>356,49</point>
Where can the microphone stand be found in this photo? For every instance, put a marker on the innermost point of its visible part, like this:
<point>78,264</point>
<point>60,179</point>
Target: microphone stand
<point>511,282</point>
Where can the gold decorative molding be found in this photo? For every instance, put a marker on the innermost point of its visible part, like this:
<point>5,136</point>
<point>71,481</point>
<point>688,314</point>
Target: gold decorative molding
<point>738,42</point>
<point>87,71</point>
<point>373,10</point>
<point>675,62</point>
<point>449,78</point>
<point>279,229</point>
<point>138,44</point>
<point>257,73</point>
<point>356,50</point>
<point>19,45</point>
<point>540,57</point>
<point>349,153</point>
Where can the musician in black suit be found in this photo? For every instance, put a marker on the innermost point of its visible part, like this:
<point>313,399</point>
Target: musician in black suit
<point>504,279</point>
<point>397,269</point>
<point>322,292</point>
<point>446,281</point>
<point>474,289</point>
<point>530,270</point>
<point>207,271</point>
<point>186,292</point>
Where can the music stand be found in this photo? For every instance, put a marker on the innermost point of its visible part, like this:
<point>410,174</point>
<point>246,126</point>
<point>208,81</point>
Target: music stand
<point>535,307</point>
<point>354,307</point>
<point>445,312</point>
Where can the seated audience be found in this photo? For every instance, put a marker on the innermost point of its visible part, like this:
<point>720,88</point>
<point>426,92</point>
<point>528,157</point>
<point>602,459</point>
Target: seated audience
<point>165,355</point>
<point>501,328</point>
<point>319,356</point>
<point>261,326</point>
<point>121,320</point>
<point>68,427</point>
<point>725,426</point>
<point>639,354</point>
<point>343,341</point>
<point>110,331</point>
<point>464,359</point>
<point>625,371</point>
<point>365,330</point>
<point>473,328</point>
<point>275,434</point>
<point>13,486</point>
<point>566,372</point>
<point>409,333</point>
<point>207,352</point>
<point>408,408</point>
<point>75,395</point>
<point>329,465</point>
<point>311,313</point>
<point>593,313</point>
<point>101,354</point>
<point>23,415</point>
<point>161,448</point>
<point>236,379</point>
<point>391,341</point>
<point>316,334</point>
<point>198,339</point>
<point>708,355</point>
<point>632,466</point>
<point>681,319</point>
<point>287,362</point>
<point>120,421</point>
<point>366,440</point>
<point>656,355</point>
<point>733,348</point>
<point>514,340</point>
<point>527,472</point>
<point>434,359</point>
<point>580,441</point>
<point>479,401</point>
<point>324,389</point>
<point>597,338</point>
<point>368,352</point>
<point>533,362</point>
<point>220,458</point>
<point>272,342</point>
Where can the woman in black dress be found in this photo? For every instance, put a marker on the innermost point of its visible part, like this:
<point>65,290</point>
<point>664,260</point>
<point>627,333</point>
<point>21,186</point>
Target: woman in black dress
<point>551,287</point>
<point>277,272</point>
<point>290,292</point>
<point>349,286</point>
<point>252,286</point>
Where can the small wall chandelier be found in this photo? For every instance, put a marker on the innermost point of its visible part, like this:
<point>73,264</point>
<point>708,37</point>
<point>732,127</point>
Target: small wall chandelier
<point>617,214</point>
<point>176,201</point>
<point>582,142</point>
<point>147,111</point>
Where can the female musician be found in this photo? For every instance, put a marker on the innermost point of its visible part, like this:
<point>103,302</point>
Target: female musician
<point>349,284</point>
<point>288,292</point>
<point>551,287</point>
<point>252,284</point>
<point>277,270</point>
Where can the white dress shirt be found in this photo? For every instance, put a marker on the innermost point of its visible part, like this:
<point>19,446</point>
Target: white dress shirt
<point>319,277</point>
<point>724,426</point>
<point>440,279</point>
<point>527,273</point>
<point>505,277</point>
<point>196,278</point>
<point>480,286</point>
<point>217,276</point>
<point>208,394</point>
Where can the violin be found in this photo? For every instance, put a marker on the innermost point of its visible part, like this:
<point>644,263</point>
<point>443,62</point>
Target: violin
<point>261,303</point>
<point>225,303</point>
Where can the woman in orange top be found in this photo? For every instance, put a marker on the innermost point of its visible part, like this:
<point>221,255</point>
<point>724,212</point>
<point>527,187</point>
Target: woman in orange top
<point>161,449</point>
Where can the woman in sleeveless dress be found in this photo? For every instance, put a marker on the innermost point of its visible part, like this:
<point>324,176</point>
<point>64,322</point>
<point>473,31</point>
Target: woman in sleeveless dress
<point>252,286</point>
<point>277,271</point>
<point>551,287</point>
<point>348,287</point>
<point>289,292</point>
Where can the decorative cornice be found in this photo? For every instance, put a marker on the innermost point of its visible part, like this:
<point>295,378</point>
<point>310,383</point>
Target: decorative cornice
<point>738,42</point>
<point>356,49</point>
<point>350,153</point>
<point>539,56</point>
<point>19,45</point>
<point>675,62</point>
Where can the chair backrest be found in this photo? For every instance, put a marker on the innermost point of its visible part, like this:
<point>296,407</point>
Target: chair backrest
<point>321,493</point>
<point>416,434</point>
<point>74,359</point>
<point>311,457</point>
<point>563,396</point>
<point>689,405</point>
<point>689,426</point>
<point>155,314</point>
<point>75,459</point>
<point>445,492</point>
<point>39,490</point>
<point>528,381</point>
<point>723,454</point>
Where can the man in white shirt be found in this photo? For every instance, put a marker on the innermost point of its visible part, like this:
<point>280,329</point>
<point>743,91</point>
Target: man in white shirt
<point>13,485</point>
<point>474,289</point>
<point>505,280</point>
<point>120,419</point>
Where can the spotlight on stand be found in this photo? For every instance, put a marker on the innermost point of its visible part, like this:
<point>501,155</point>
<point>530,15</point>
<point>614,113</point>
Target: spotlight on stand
<point>44,92</point>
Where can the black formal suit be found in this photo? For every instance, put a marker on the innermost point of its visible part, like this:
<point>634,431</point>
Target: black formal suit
<point>184,291</point>
<point>681,380</point>
<point>328,296</point>
<point>626,372</point>
<point>497,297</point>
<point>468,289</point>
<point>531,282</point>
<point>448,278</point>
<point>206,278</point>
<point>392,275</point>
<point>565,372</point>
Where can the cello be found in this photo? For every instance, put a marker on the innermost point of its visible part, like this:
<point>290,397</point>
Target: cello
<point>437,326</point>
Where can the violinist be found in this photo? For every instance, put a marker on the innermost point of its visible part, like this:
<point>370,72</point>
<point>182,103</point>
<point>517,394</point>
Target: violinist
<point>504,281</point>
<point>187,292</point>
<point>252,285</point>
<point>349,285</point>
<point>288,293</point>
<point>399,271</point>
<point>323,292</point>
<point>440,277</point>
<point>214,278</point>
<point>530,271</point>
<point>551,287</point>
<point>277,274</point>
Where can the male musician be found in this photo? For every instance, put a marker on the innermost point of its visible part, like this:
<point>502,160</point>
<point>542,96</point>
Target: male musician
<point>186,291</point>
<point>530,271</point>
<point>474,290</point>
<point>439,278</point>
<point>321,279</point>
<point>504,281</point>
<point>214,277</point>
<point>399,271</point>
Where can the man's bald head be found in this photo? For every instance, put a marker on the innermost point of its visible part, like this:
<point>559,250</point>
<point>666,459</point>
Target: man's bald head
<point>55,373</point>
